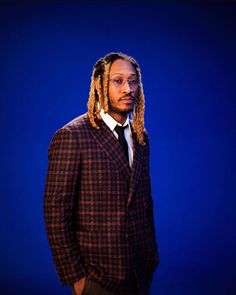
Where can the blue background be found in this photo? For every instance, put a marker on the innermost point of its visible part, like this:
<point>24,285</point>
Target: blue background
<point>187,55</point>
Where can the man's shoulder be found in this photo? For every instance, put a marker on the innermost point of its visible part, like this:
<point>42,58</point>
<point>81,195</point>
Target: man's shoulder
<point>77,124</point>
<point>145,133</point>
<point>74,129</point>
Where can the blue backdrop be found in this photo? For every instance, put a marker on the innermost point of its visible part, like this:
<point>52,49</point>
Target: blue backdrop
<point>187,55</point>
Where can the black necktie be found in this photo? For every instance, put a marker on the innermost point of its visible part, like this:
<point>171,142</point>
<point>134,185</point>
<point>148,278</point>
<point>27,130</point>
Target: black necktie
<point>121,138</point>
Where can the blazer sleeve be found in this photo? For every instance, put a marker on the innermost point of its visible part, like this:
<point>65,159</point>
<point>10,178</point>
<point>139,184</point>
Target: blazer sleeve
<point>151,199</point>
<point>59,205</point>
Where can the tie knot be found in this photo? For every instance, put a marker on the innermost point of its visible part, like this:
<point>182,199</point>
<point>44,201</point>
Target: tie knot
<point>120,129</point>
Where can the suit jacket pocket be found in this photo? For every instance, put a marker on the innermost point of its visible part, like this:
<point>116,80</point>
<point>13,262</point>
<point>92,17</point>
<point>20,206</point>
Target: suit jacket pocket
<point>100,250</point>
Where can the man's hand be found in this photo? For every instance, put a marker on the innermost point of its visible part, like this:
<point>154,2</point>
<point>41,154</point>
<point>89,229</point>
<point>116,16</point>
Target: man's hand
<point>79,286</point>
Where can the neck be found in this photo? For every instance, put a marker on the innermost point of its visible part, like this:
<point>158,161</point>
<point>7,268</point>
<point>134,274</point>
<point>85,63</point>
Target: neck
<point>119,117</point>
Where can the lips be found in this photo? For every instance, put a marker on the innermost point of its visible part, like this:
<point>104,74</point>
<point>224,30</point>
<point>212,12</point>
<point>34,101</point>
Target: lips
<point>127,99</point>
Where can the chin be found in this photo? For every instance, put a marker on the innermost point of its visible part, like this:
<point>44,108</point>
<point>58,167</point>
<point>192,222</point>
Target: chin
<point>122,110</point>
<point>126,110</point>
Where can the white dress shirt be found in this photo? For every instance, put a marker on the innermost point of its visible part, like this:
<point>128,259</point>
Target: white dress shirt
<point>111,123</point>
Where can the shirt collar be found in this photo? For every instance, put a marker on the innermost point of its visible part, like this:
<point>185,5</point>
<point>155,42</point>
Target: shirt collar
<point>111,122</point>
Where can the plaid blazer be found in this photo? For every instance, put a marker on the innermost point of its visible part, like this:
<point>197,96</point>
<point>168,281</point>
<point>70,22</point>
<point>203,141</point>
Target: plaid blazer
<point>98,211</point>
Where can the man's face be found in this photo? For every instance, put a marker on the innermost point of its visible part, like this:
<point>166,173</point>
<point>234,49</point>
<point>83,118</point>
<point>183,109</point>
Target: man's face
<point>123,87</point>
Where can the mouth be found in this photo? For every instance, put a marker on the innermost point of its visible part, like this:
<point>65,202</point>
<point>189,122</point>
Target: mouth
<point>128,99</point>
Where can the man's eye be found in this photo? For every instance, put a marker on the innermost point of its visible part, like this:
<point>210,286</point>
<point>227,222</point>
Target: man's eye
<point>118,81</point>
<point>133,81</point>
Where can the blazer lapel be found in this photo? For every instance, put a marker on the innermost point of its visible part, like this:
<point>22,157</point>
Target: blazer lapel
<point>107,141</point>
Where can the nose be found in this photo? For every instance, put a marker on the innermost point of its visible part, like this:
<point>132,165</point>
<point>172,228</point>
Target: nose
<point>126,87</point>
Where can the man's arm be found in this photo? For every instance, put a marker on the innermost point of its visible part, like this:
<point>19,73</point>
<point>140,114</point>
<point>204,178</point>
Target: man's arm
<point>59,205</point>
<point>151,199</point>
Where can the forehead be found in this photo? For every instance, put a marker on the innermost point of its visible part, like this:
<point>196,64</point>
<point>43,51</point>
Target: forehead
<point>122,67</point>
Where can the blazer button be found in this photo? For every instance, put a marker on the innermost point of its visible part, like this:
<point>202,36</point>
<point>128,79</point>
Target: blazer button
<point>145,205</point>
<point>127,236</point>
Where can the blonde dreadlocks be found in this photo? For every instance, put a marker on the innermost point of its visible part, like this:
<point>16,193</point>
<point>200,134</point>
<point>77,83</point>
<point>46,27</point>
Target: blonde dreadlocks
<point>98,95</point>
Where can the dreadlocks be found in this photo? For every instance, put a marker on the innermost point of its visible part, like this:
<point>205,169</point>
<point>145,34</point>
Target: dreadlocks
<point>98,95</point>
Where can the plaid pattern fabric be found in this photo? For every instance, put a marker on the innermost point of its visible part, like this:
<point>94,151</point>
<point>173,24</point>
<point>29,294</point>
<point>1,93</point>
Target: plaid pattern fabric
<point>98,212</point>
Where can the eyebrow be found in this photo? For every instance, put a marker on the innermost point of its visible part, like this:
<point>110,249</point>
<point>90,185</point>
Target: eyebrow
<point>122,74</point>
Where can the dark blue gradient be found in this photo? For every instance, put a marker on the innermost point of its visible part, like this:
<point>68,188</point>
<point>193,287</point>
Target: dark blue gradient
<point>187,53</point>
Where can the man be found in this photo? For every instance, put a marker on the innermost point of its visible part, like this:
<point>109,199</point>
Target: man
<point>98,206</point>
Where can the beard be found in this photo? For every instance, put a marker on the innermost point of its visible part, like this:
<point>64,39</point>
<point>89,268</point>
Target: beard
<point>120,110</point>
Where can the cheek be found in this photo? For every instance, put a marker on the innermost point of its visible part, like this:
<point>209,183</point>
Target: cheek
<point>113,92</point>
